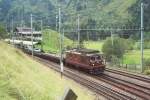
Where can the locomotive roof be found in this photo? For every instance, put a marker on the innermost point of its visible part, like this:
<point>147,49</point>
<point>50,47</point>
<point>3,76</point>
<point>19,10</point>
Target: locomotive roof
<point>87,51</point>
<point>84,51</point>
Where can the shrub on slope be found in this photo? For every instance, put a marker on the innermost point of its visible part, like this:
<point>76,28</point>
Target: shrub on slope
<point>51,41</point>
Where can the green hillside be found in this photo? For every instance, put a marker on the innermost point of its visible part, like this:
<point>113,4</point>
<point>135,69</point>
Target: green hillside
<point>92,12</point>
<point>21,78</point>
<point>51,41</point>
<point>105,12</point>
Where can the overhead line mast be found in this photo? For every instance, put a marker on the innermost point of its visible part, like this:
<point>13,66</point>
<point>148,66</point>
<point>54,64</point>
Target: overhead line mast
<point>78,30</point>
<point>32,32</point>
<point>61,53</point>
<point>142,42</point>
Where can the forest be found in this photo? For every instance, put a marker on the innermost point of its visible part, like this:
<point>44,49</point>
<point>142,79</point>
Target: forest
<point>93,13</point>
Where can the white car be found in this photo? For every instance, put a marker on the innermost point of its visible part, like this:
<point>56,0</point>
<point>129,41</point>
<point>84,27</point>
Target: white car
<point>37,50</point>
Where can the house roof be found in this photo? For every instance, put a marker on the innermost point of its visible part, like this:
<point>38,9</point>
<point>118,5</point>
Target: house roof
<point>23,29</point>
<point>26,30</point>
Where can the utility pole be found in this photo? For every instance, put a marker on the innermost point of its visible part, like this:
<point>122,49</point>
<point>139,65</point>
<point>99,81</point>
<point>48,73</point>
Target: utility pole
<point>142,42</point>
<point>112,38</point>
<point>87,35</point>
<point>78,22</point>
<point>7,26</point>
<point>42,34</point>
<point>56,22</point>
<point>41,25</point>
<point>62,49</point>
<point>21,30</point>
<point>63,39</point>
<point>32,32</point>
<point>12,31</point>
<point>61,55</point>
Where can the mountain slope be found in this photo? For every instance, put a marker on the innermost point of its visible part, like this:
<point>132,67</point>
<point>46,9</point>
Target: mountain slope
<point>22,78</point>
<point>108,11</point>
<point>51,41</point>
<point>92,12</point>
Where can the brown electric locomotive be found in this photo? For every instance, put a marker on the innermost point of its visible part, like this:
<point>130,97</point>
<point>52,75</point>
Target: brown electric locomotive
<point>85,59</point>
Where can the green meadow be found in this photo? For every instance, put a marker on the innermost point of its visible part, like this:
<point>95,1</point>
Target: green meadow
<point>131,57</point>
<point>94,45</point>
<point>51,41</point>
<point>134,56</point>
<point>22,78</point>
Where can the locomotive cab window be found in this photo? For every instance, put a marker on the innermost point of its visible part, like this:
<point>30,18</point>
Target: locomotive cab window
<point>98,57</point>
<point>92,59</point>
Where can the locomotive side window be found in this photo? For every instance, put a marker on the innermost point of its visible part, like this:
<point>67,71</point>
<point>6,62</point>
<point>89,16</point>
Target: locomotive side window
<point>92,59</point>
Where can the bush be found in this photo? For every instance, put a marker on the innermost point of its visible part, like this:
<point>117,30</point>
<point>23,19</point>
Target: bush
<point>145,46</point>
<point>115,60</point>
<point>147,72</point>
<point>130,44</point>
<point>117,49</point>
<point>146,41</point>
<point>3,33</point>
<point>147,64</point>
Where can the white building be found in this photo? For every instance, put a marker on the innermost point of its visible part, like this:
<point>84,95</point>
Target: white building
<point>24,33</point>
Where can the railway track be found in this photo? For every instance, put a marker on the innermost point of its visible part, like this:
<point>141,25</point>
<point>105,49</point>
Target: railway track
<point>108,93</point>
<point>138,77</point>
<point>138,91</point>
<point>140,84</point>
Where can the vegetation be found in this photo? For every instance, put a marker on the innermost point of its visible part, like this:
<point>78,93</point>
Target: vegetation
<point>134,56</point>
<point>146,41</point>
<point>95,13</point>
<point>135,11</point>
<point>130,44</point>
<point>147,66</point>
<point>96,45</point>
<point>3,33</point>
<point>51,41</point>
<point>22,78</point>
<point>147,72</point>
<point>116,47</point>
<point>147,62</point>
<point>131,56</point>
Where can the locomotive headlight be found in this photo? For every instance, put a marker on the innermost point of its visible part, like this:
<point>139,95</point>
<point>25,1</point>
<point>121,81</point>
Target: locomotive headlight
<point>93,64</point>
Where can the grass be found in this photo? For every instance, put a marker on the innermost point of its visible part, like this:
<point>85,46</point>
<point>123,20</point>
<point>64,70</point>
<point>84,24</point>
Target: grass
<point>94,45</point>
<point>51,41</point>
<point>22,78</point>
<point>134,57</point>
<point>131,57</point>
<point>51,44</point>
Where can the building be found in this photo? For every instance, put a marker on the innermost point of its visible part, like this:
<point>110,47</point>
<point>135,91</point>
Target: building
<point>25,33</point>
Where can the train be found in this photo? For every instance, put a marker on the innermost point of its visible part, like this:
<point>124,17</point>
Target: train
<point>87,60</point>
